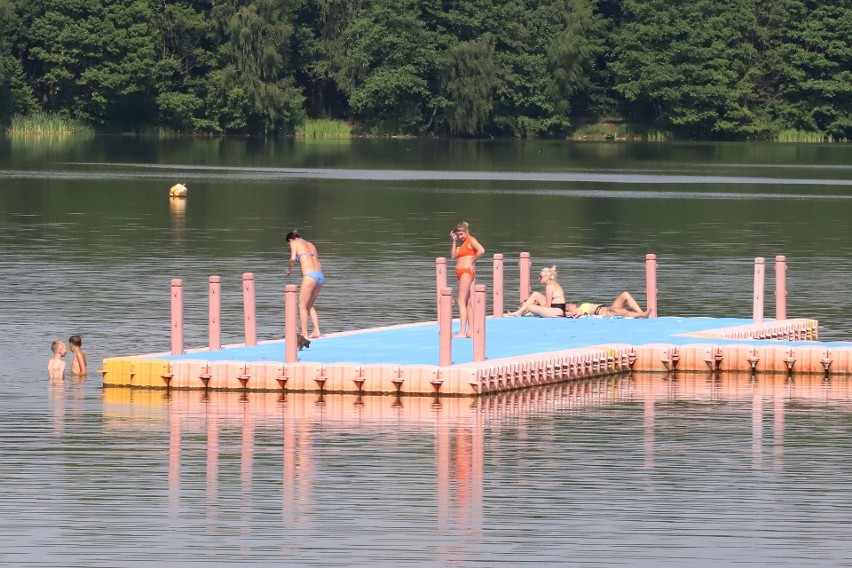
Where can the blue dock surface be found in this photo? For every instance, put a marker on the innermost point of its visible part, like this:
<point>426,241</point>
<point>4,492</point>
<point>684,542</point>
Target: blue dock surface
<point>520,352</point>
<point>417,344</point>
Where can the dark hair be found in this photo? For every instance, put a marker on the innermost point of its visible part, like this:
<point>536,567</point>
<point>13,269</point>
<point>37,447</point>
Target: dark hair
<point>294,234</point>
<point>76,340</point>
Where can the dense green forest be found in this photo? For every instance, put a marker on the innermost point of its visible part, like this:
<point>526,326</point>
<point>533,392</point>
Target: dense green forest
<point>695,69</point>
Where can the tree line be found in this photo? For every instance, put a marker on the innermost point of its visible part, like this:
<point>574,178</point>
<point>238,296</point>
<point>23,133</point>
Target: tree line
<point>698,69</point>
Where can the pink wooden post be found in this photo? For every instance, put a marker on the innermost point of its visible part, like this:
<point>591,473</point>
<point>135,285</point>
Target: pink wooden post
<point>215,313</point>
<point>479,310</point>
<point>651,284</point>
<point>445,328</point>
<point>498,286</point>
<point>524,286</point>
<point>780,287</point>
<point>248,309</point>
<point>440,280</point>
<point>291,301</point>
<point>177,316</point>
<point>758,289</point>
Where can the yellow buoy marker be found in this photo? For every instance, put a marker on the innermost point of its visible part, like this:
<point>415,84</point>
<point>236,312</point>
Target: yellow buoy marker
<point>178,190</point>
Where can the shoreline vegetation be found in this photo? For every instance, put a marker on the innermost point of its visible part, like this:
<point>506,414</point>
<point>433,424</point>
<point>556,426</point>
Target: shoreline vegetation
<point>43,124</point>
<point>40,124</point>
<point>649,70</point>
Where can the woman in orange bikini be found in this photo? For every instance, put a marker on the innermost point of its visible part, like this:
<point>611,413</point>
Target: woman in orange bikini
<point>465,255</point>
<point>305,253</point>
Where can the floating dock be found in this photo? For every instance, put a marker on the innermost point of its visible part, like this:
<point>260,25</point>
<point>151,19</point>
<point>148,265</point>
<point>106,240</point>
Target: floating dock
<point>521,352</point>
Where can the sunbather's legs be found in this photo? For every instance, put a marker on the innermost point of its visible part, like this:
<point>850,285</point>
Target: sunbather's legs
<point>626,299</point>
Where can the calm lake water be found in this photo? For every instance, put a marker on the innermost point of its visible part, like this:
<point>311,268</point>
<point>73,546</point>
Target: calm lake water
<point>643,470</point>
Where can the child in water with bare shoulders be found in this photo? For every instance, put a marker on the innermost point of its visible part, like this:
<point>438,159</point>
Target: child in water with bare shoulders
<point>56,365</point>
<point>78,364</point>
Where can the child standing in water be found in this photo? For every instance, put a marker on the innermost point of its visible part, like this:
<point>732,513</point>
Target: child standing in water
<point>56,365</point>
<point>78,364</point>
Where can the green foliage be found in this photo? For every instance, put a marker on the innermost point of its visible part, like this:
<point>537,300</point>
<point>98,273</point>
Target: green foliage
<point>618,131</point>
<point>698,69</point>
<point>15,95</point>
<point>807,79</point>
<point>385,58</point>
<point>542,50</point>
<point>689,63</point>
<point>93,58</point>
<point>568,55</point>
<point>179,111</point>
<point>469,81</point>
<point>46,124</point>
<point>255,91</point>
<point>324,128</point>
<point>185,55</point>
<point>801,136</point>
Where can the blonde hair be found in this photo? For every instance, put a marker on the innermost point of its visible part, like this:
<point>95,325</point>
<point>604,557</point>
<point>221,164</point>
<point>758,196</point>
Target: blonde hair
<point>550,273</point>
<point>463,226</point>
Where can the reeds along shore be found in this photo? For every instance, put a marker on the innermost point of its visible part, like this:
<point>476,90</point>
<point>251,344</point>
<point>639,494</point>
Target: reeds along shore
<point>46,124</point>
<point>53,124</point>
<point>324,128</point>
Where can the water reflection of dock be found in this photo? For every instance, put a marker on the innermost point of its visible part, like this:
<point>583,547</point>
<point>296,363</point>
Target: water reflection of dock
<point>225,437</point>
<point>137,409</point>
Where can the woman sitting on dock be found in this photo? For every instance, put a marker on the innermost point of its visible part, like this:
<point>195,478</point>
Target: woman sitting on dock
<point>551,304</point>
<point>305,253</point>
<point>624,305</point>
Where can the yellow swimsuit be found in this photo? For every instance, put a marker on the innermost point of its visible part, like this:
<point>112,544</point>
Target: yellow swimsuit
<point>587,308</point>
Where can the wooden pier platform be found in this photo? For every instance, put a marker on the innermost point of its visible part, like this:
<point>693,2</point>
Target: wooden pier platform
<point>520,352</point>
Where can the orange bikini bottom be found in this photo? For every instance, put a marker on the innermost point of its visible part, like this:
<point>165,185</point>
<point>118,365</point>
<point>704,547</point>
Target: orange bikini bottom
<point>462,271</point>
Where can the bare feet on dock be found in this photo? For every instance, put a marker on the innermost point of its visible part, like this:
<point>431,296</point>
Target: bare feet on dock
<point>314,335</point>
<point>461,336</point>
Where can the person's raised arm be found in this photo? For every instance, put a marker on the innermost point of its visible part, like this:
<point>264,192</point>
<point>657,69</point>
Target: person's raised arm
<point>454,249</point>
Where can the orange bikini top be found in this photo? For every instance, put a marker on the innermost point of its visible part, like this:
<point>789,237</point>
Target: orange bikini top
<point>466,249</point>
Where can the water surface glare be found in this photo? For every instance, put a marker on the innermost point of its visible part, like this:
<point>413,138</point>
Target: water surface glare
<point>283,174</point>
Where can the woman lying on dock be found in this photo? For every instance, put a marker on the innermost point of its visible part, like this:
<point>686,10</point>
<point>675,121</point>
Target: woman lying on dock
<point>551,304</point>
<point>625,305</point>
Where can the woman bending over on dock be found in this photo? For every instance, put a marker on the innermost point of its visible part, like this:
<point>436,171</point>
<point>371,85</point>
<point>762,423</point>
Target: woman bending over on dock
<point>551,304</point>
<point>305,253</point>
<point>465,255</point>
<point>625,305</point>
